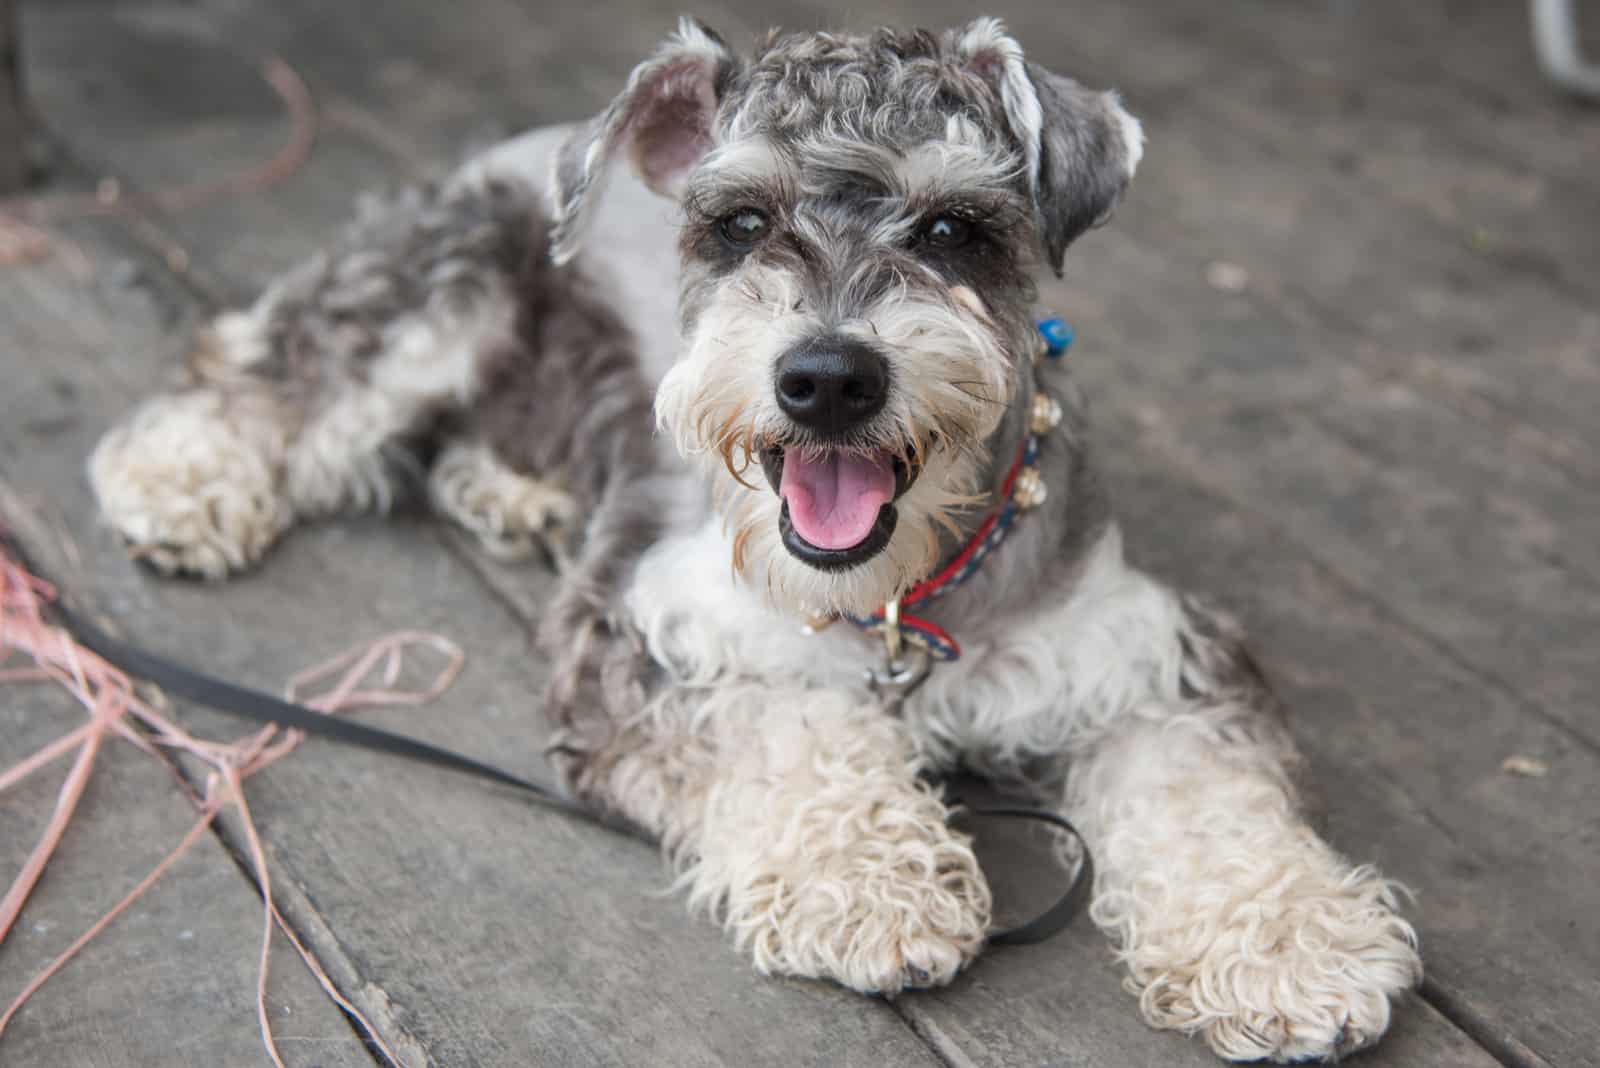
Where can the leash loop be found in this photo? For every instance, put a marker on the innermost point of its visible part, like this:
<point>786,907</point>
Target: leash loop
<point>1055,919</point>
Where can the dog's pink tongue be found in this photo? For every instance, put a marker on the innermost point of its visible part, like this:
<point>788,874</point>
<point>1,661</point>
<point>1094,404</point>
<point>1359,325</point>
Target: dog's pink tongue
<point>834,497</point>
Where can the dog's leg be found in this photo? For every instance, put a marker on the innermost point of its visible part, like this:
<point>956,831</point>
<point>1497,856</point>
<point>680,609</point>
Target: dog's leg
<point>192,480</point>
<point>509,512</point>
<point>307,403</point>
<point>560,436</point>
<point>799,818</point>
<point>1236,921</point>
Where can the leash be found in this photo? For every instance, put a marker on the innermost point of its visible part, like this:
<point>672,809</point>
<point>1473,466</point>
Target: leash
<point>262,707</point>
<point>1021,490</point>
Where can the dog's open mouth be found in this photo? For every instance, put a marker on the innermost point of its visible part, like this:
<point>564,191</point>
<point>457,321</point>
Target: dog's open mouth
<point>838,505</point>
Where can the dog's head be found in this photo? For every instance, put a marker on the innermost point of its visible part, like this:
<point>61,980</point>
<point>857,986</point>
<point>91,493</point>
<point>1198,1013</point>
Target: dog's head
<point>862,216</point>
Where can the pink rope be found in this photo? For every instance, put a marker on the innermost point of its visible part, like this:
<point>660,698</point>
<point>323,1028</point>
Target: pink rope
<point>200,826</point>
<point>56,749</point>
<point>108,697</point>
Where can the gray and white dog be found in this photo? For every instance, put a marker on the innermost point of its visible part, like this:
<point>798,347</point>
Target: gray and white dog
<point>814,265</point>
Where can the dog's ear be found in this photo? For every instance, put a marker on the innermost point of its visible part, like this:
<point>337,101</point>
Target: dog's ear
<point>661,121</point>
<point>1080,146</point>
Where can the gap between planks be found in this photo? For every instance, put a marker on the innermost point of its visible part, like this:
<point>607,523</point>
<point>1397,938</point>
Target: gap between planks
<point>39,543</point>
<point>1495,1041</point>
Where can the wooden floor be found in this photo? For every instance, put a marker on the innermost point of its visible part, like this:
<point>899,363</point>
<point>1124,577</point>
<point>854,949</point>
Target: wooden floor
<point>1344,343</point>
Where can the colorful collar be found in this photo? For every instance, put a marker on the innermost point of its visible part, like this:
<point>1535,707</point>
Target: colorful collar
<point>1022,490</point>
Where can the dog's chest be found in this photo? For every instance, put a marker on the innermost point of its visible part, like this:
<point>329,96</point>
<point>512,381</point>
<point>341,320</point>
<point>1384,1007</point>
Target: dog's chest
<point>1019,689</point>
<point>708,628</point>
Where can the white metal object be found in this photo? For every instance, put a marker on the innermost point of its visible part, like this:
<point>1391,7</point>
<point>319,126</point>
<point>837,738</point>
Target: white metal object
<point>1555,41</point>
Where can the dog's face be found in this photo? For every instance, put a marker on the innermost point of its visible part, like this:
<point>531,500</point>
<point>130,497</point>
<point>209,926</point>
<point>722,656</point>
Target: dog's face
<point>862,216</point>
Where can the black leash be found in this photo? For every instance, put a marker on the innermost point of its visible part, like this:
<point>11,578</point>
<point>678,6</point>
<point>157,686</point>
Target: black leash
<point>1053,920</point>
<point>264,708</point>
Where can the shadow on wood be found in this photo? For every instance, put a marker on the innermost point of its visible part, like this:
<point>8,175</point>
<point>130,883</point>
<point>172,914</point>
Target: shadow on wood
<point>13,160</point>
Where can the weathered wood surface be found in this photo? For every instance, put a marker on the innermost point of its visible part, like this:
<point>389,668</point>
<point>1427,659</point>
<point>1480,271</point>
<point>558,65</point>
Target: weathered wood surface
<point>13,156</point>
<point>1395,489</point>
<point>172,981</point>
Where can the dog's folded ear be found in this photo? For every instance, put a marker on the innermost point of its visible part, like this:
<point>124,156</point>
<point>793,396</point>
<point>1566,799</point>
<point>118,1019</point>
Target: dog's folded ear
<point>1081,146</point>
<point>661,121</point>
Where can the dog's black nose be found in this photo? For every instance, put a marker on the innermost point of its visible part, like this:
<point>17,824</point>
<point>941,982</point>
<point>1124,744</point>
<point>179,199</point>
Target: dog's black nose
<point>832,384</point>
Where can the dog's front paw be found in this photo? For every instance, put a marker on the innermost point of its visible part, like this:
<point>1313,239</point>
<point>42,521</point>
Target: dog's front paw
<point>890,906</point>
<point>191,486</point>
<point>1304,970</point>
<point>510,513</point>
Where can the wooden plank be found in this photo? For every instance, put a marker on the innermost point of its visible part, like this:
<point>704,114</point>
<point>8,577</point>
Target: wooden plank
<point>1408,746</point>
<point>1483,253</point>
<point>1434,105</point>
<point>1463,60</point>
<point>1440,316</point>
<point>173,981</point>
<point>1492,552</point>
<point>472,928</point>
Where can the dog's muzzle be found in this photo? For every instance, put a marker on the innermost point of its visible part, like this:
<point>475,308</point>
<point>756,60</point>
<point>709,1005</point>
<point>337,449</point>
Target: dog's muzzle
<point>838,494</point>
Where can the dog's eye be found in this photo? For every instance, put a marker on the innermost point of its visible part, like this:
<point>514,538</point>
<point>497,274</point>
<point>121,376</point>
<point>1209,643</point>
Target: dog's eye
<point>947,231</point>
<point>744,227</point>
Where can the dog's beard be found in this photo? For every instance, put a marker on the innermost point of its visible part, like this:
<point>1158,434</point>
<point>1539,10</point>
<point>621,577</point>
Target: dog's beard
<point>951,381</point>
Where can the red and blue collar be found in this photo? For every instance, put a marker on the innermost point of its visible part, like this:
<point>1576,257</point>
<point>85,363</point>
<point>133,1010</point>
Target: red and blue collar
<point>1022,490</point>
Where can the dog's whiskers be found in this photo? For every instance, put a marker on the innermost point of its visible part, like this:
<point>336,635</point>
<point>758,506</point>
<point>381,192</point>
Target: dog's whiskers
<point>960,386</point>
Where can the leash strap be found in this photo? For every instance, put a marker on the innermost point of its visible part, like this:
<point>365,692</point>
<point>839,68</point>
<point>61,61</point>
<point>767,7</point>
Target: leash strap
<point>265,708</point>
<point>261,707</point>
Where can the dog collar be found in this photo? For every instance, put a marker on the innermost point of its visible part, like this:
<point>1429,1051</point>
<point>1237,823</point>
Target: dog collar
<point>1022,490</point>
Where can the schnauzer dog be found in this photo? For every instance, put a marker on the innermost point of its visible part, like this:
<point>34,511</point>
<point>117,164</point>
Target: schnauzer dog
<point>868,544</point>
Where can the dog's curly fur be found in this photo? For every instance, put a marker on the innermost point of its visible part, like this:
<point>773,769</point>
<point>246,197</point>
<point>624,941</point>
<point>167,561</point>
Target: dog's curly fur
<point>496,344</point>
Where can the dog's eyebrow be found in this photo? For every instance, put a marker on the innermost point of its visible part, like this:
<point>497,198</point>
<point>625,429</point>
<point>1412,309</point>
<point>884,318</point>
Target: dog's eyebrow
<point>829,165</point>
<point>746,172</point>
<point>934,171</point>
<point>748,159</point>
<point>849,187</point>
<point>939,169</point>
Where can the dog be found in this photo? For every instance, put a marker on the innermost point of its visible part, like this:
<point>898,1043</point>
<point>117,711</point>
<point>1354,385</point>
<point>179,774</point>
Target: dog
<point>753,356</point>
